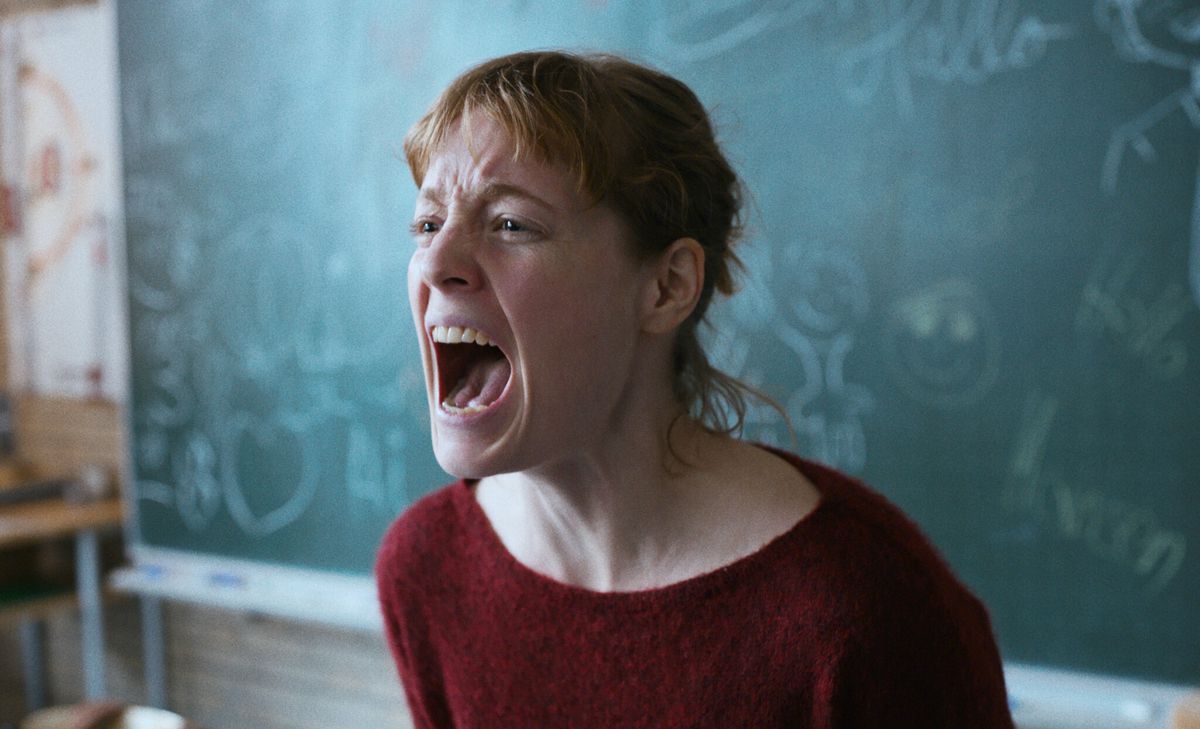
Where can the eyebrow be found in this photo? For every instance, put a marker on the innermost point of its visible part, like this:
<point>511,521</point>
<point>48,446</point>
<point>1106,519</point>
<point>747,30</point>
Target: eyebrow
<point>494,190</point>
<point>491,191</point>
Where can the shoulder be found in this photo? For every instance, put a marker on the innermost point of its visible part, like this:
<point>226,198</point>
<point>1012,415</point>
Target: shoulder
<point>418,539</point>
<point>874,567</point>
<point>861,531</point>
<point>909,628</point>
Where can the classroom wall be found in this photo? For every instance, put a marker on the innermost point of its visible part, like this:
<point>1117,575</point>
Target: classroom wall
<point>225,670</point>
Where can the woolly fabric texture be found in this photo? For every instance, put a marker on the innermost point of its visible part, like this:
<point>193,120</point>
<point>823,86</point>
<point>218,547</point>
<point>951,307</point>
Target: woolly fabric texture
<point>849,620</point>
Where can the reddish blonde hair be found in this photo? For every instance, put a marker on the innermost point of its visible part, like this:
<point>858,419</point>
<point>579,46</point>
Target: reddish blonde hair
<point>636,139</point>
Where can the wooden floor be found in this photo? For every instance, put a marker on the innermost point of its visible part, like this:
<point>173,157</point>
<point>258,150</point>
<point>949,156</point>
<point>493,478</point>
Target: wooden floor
<point>228,671</point>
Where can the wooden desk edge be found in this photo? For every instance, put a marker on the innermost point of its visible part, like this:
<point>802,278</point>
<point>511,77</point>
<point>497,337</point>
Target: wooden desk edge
<point>46,519</point>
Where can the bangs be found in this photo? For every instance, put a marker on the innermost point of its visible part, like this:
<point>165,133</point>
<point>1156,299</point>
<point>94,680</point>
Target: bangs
<point>550,111</point>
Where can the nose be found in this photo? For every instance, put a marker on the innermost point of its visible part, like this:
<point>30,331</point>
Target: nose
<point>449,262</point>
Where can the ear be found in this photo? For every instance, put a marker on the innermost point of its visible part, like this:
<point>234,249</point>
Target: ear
<point>672,293</point>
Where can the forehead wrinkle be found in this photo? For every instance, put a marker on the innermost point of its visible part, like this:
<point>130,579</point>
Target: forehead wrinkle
<point>431,194</point>
<point>496,190</point>
<point>483,169</point>
<point>485,191</point>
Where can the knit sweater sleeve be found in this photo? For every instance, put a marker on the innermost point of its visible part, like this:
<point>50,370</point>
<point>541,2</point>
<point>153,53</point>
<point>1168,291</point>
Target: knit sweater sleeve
<point>926,661</point>
<point>406,562</point>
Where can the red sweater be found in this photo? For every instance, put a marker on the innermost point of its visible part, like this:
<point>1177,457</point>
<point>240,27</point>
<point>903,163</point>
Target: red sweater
<point>850,619</point>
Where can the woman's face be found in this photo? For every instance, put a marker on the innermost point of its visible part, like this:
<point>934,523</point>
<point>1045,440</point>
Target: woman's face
<point>512,251</point>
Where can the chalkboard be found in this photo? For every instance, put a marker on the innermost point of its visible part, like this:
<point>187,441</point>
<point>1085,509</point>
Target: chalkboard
<point>973,255</point>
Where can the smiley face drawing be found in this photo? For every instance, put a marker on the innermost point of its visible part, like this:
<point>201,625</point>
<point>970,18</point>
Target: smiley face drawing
<point>942,345</point>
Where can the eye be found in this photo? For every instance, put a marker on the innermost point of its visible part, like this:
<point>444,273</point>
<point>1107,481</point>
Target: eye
<point>517,229</point>
<point>423,227</point>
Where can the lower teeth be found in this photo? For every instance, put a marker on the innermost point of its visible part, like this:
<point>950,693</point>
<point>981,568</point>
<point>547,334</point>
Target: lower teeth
<point>462,411</point>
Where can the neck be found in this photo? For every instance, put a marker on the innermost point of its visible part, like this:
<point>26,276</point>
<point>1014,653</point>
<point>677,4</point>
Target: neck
<point>616,517</point>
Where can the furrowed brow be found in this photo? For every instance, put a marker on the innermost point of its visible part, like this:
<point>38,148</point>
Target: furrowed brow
<point>431,195</point>
<point>496,190</point>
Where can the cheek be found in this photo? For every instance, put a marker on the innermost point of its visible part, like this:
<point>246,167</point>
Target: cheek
<point>418,295</point>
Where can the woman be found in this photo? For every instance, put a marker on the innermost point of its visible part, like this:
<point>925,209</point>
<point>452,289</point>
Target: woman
<point>612,557</point>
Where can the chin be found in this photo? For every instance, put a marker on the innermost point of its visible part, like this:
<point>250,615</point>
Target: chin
<point>462,460</point>
<point>461,467</point>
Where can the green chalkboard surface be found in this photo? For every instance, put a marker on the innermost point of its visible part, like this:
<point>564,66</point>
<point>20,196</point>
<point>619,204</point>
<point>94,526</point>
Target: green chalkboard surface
<point>973,255</point>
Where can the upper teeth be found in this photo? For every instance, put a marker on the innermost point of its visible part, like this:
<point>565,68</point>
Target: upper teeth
<point>460,335</point>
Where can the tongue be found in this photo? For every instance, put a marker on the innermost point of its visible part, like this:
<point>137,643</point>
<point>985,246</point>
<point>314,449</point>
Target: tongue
<point>482,384</point>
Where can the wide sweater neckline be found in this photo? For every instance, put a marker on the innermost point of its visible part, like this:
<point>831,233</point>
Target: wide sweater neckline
<point>783,547</point>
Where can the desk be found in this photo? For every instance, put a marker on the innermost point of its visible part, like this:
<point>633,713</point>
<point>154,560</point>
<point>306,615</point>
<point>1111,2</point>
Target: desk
<point>48,519</point>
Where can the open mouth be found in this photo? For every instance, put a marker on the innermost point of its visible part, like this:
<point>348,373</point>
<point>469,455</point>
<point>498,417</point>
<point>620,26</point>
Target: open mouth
<point>472,372</point>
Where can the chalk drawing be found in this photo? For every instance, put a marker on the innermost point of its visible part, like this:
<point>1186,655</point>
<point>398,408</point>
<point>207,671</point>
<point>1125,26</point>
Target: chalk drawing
<point>826,410</point>
<point>261,308</point>
<point>1111,304</point>
<point>826,290</point>
<point>285,441</point>
<point>197,491</point>
<point>1165,34</point>
<point>1115,529</point>
<point>824,302</point>
<point>942,345</point>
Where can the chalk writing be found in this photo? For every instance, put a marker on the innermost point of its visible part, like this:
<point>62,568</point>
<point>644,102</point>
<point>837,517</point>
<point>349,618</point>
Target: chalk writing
<point>1141,327</point>
<point>1115,529</point>
<point>950,41</point>
<point>375,469</point>
<point>1167,36</point>
<point>873,42</point>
